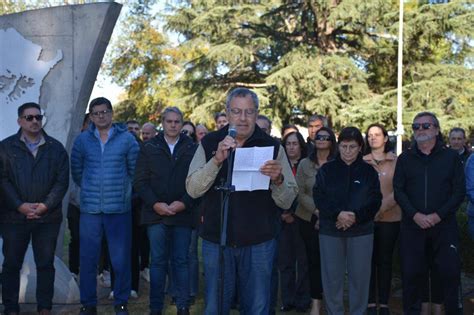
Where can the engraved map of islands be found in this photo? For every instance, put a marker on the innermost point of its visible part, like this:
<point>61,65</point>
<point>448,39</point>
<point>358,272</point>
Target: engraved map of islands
<point>22,71</point>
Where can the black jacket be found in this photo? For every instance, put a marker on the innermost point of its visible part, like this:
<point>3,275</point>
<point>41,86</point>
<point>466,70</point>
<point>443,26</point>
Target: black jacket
<point>160,177</point>
<point>341,187</point>
<point>40,179</point>
<point>428,184</point>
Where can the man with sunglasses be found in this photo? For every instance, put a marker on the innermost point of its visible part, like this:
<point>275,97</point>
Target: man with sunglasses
<point>34,183</point>
<point>429,187</point>
<point>103,164</point>
<point>315,122</point>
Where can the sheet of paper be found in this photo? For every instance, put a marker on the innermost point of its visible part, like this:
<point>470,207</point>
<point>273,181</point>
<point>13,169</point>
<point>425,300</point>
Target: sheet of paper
<point>247,162</point>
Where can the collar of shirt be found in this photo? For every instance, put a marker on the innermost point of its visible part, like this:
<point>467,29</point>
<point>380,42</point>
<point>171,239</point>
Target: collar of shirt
<point>109,133</point>
<point>33,146</point>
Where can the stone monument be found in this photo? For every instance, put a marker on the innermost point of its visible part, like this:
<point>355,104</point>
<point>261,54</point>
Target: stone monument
<point>52,56</point>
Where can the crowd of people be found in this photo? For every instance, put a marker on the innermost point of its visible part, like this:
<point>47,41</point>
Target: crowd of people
<point>335,209</point>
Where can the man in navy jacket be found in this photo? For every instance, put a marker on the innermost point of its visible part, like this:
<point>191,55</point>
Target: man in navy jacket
<point>162,168</point>
<point>34,181</point>
<point>103,163</point>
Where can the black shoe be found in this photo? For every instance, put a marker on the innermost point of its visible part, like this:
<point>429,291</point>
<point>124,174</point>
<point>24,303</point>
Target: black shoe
<point>287,308</point>
<point>192,300</point>
<point>121,309</point>
<point>88,310</point>
<point>384,311</point>
<point>302,309</point>
<point>155,313</point>
<point>173,301</point>
<point>372,310</point>
<point>183,311</point>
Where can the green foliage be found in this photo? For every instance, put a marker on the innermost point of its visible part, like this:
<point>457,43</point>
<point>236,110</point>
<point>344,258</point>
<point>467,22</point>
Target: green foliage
<point>334,57</point>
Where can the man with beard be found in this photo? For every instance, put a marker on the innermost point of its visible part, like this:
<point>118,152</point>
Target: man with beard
<point>34,185</point>
<point>429,187</point>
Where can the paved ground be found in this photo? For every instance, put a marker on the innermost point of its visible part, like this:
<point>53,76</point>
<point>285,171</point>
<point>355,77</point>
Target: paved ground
<point>140,306</point>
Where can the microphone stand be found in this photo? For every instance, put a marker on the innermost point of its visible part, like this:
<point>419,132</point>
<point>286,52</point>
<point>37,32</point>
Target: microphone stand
<point>225,190</point>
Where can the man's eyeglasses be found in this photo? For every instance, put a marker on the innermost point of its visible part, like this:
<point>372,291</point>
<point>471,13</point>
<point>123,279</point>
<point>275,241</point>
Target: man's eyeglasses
<point>247,111</point>
<point>101,112</point>
<point>31,117</point>
<point>424,126</point>
<point>323,138</point>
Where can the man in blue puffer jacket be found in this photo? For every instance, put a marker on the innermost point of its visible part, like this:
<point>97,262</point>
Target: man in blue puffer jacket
<point>103,163</point>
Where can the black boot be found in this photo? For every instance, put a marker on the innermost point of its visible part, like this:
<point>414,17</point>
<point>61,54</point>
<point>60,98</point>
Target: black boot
<point>121,309</point>
<point>88,310</point>
<point>183,311</point>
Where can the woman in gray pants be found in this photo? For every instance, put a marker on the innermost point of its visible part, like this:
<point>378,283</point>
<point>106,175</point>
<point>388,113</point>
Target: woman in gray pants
<point>347,194</point>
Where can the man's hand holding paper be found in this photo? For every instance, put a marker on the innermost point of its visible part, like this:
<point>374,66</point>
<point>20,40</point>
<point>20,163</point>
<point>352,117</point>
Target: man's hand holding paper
<point>253,168</point>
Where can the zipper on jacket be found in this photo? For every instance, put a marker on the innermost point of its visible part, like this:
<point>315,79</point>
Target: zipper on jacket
<point>426,187</point>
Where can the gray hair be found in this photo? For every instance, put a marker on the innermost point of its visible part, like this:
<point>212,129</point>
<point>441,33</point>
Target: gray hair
<point>241,92</point>
<point>429,114</point>
<point>171,109</point>
<point>321,118</point>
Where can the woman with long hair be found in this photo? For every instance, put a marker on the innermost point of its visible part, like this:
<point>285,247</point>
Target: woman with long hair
<point>292,261</point>
<point>387,220</point>
<point>306,212</point>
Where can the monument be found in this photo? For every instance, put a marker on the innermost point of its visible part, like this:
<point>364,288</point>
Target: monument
<point>52,56</point>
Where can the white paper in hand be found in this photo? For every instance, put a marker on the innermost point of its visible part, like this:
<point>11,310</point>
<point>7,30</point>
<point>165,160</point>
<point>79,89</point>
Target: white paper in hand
<point>247,162</point>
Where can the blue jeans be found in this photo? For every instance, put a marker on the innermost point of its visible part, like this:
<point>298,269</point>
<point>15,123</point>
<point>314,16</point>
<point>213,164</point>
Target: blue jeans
<point>169,242</point>
<point>250,267</point>
<point>118,233</point>
<point>16,238</point>
<point>193,265</point>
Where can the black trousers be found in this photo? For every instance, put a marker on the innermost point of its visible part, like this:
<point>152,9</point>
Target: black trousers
<point>416,260</point>
<point>293,266</point>
<point>310,238</point>
<point>73,214</point>
<point>385,238</point>
<point>16,237</point>
<point>432,291</point>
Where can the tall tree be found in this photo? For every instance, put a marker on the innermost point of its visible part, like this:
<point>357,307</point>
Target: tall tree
<point>328,56</point>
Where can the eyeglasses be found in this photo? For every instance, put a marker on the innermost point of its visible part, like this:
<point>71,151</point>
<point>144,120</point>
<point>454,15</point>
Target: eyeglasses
<point>424,126</point>
<point>31,117</point>
<point>101,112</point>
<point>247,111</point>
<point>323,138</point>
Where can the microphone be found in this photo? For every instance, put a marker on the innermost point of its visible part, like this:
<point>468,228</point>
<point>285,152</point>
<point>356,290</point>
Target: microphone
<point>232,132</point>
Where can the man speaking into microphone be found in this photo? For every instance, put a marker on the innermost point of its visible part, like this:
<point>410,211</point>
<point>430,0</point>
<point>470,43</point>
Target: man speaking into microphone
<point>251,229</point>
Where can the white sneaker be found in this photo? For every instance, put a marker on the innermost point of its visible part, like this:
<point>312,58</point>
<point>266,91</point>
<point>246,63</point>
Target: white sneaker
<point>145,273</point>
<point>111,295</point>
<point>134,294</point>
<point>104,279</point>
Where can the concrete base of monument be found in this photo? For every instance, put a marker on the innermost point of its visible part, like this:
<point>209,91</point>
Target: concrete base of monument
<point>66,290</point>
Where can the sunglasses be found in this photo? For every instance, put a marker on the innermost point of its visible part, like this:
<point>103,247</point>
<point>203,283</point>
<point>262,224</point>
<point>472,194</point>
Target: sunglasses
<point>31,117</point>
<point>323,138</point>
<point>424,126</point>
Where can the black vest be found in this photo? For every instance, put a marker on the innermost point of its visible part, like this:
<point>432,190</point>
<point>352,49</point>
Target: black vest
<point>252,214</point>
